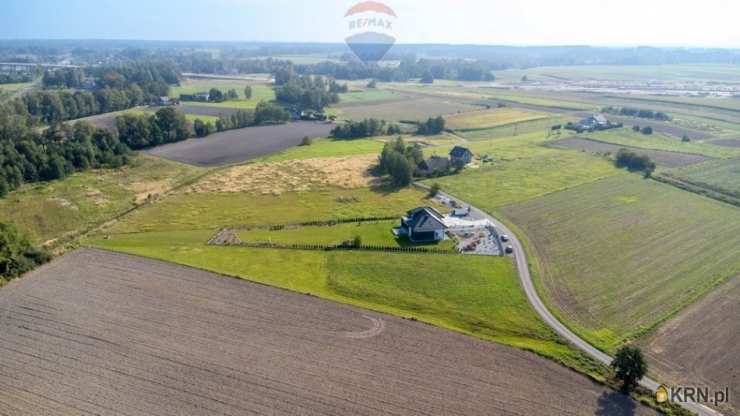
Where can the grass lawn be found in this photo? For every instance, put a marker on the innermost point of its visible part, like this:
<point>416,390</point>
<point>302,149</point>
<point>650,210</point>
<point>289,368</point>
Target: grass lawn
<point>483,119</point>
<point>188,211</point>
<point>618,256</point>
<point>48,211</point>
<point>474,295</point>
<point>376,233</point>
<point>627,137</point>
<point>11,88</point>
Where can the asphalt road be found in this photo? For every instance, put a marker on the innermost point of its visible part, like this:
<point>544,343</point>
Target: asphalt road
<point>534,299</point>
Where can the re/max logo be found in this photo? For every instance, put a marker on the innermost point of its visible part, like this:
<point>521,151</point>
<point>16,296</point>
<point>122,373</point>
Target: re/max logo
<point>685,394</point>
<point>370,22</point>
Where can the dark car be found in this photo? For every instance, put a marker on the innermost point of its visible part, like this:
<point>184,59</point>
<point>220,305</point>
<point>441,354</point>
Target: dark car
<point>505,238</point>
<point>509,250</point>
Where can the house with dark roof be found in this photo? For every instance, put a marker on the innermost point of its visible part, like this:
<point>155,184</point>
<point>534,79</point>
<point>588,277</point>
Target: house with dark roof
<point>461,155</point>
<point>422,225</point>
<point>434,165</point>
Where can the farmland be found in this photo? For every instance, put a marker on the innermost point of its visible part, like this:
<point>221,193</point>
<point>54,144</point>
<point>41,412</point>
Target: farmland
<point>693,346</point>
<point>240,145</point>
<point>192,86</point>
<point>719,175</point>
<point>417,108</point>
<point>660,157</point>
<point>632,253</point>
<point>483,119</point>
<point>79,338</point>
<point>49,211</point>
<point>369,95</point>
<point>627,137</point>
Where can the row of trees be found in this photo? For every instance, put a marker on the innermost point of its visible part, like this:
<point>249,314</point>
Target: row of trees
<point>17,255</point>
<point>637,112</point>
<point>28,156</point>
<point>139,131</point>
<point>16,77</point>
<point>368,127</point>
<point>399,161</point>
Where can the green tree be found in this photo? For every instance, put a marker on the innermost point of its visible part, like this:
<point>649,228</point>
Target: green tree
<point>232,95</point>
<point>248,92</point>
<point>434,189</point>
<point>216,95</point>
<point>629,367</point>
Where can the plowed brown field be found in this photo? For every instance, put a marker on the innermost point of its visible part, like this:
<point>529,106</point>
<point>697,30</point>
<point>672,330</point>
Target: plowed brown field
<point>97,333</point>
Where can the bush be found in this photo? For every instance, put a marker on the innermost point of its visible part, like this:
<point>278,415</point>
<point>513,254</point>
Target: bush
<point>306,141</point>
<point>17,255</point>
<point>357,241</point>
<point>634,162</point>
<point>685,138</point>
<point>434,189</point>
<point>647,130</point>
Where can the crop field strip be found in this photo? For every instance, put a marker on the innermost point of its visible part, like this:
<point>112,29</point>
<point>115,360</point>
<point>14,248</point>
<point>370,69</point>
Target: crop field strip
<point>79,338</point>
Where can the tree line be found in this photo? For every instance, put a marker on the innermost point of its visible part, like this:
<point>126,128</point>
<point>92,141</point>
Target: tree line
<point>637,112</point>
<point>433,125</point>
<point>368,127</point>
<point>29,156</point>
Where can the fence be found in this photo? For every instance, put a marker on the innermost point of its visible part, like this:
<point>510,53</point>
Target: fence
<point>344,247</point>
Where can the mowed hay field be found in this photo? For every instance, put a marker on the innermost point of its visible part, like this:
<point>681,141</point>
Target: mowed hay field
<point>79,338</point>
<point>477,120</point>
<point>660,157</point>
<point>619,255</point>
<point>49,211</point>
<point>698,346</point>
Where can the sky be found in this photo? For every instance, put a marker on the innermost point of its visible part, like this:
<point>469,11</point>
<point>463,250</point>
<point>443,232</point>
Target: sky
<point>709,23</point>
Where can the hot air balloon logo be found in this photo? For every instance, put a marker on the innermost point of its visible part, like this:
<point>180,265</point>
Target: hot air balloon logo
<point>370,27</point>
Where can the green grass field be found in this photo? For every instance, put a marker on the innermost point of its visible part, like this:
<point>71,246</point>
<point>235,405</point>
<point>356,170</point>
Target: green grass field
<point>11,88</point>
<point>475,295</point>
<point>203,118</point>
<point>198,211</point>
<point>541,126</point>
<point>721,175</point>
<point>623,73</point>
<point>627,137</point>
<point>509,180</point>
<point>413,109</point>
<point>48,211</point>
<point>485,119</point>
<point>192,86</point>
<point>260,92</point>
<point>368,96</point>
<point>328,148</point>
<point>376,233</point>
<point>620,255</point>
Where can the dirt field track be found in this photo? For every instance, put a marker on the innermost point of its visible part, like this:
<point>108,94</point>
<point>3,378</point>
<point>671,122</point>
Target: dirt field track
<point>97,333</point>
<point>660,157</point>
<point>235,146</point>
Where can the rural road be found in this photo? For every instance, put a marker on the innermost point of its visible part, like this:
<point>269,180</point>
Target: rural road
<point>534,299</point>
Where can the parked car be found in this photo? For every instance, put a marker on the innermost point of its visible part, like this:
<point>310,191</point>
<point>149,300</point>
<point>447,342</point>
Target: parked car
<point>505,238</point>
<point>509,250</point>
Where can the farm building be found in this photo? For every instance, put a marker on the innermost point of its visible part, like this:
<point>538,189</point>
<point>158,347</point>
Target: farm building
<point>422,225</point>
<point>593,123</point>
<point>433,165</point>
<point>460,154</point>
